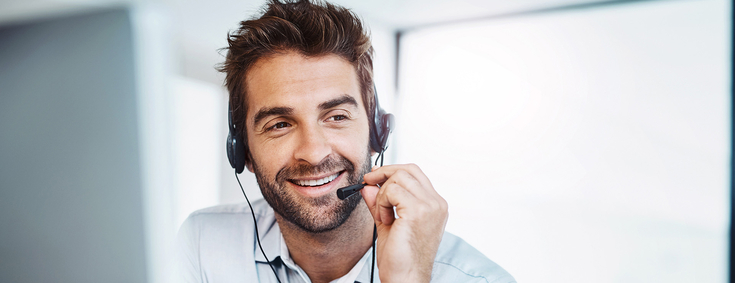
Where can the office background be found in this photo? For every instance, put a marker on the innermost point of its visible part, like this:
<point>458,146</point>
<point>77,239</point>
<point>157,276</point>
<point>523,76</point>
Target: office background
<point>575,141</point>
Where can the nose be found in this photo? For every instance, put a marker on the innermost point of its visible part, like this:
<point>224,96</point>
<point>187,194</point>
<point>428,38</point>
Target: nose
<point>313,145</point>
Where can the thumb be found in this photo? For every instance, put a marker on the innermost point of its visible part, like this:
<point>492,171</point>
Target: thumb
<point>369,194</point>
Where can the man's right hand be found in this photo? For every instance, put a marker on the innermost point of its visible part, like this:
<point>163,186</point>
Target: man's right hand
<point>407,245</point>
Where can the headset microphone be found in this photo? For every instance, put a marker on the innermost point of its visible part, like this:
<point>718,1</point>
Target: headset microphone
<point>346,192</point>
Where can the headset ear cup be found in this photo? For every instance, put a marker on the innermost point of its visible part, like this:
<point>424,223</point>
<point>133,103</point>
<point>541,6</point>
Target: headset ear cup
<point>236,152</point>
<point>381,126</point>
<point>235,145</point>
<point>374,138</point>
<point>386,127</point>
<point>240,153</point>
<point>231,150</point>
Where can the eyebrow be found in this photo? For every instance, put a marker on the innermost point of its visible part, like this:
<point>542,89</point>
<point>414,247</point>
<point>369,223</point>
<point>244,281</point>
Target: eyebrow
<point>274,111</point>
<point>344,99</point>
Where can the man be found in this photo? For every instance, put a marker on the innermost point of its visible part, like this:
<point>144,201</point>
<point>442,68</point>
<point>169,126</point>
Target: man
<point>301,94</point>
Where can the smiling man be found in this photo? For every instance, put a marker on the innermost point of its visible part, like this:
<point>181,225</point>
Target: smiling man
<point>303,114</point>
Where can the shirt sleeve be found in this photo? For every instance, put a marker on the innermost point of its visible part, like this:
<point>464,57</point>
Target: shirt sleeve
<point>457,261</point>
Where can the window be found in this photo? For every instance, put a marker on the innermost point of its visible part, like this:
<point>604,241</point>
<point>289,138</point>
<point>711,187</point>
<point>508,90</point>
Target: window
<point>590,144</point>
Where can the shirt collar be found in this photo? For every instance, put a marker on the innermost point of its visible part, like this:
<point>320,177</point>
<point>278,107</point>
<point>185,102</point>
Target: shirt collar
<point>270,236</point>
<point>364,276</point>
<point>273,245</point>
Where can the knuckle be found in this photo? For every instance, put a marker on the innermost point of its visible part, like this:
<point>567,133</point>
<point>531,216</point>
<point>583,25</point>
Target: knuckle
<point>381,192</point>
<point>389,190</point>
<point>413,167</point>
<point>443,203</point>
<point>438,208</point>
<point>400,173</point>
<point>401,177</point>
<point>423,209</point>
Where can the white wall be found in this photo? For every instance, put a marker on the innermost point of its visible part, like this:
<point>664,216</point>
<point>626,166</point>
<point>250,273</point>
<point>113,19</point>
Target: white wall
<point>579,146</point>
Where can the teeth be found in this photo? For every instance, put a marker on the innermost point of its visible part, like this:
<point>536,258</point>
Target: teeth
<point>319,182</point>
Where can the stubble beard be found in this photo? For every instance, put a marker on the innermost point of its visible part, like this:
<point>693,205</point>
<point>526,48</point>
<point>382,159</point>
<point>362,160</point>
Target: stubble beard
<point>315,215</point>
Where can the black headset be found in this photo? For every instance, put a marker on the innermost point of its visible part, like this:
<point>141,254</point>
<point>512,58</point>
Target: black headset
<point>380,128</point>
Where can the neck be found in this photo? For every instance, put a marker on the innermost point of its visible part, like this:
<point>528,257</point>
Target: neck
<point>330,255</point>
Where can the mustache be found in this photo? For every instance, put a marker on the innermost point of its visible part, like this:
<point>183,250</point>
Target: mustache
<point>329,164</point>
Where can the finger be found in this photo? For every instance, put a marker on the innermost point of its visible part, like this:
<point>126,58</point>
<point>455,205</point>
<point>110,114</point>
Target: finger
<point>427,198</point>
<point>378,175</point>
<point>382,174</point>
<point>408,182</point>
<point>369,194</point>
<point>393,195</point>
<point>417,173</point>
<point>402,175</point>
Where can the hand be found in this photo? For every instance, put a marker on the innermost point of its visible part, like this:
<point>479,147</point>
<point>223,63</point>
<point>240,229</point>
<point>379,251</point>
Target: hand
<point>406,245</point>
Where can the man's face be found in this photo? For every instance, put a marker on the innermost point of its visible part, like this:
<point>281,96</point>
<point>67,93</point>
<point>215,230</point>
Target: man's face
<point>308,136</point>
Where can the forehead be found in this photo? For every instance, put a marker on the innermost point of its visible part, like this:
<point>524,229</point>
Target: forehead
<point>291,78</point>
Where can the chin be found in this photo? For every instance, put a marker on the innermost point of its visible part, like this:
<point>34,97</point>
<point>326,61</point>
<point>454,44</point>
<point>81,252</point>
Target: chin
<point>314,207</point>
<point>315,215</point>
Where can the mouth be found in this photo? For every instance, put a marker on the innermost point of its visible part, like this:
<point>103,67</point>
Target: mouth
<point>318,186</point>
<point>316,182</point>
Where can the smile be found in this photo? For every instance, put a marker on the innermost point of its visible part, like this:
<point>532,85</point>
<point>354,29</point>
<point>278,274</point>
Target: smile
<point>318,182</point>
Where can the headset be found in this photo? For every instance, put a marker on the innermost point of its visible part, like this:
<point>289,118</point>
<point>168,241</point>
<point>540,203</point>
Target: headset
<point>238,154</point>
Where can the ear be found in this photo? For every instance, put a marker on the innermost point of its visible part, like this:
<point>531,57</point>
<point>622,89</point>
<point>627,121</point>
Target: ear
<point>249,162</point>
<point>373,153</point>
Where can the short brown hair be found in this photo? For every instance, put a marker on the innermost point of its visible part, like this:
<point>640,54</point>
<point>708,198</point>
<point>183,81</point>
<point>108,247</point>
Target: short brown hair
<point>310,28</point>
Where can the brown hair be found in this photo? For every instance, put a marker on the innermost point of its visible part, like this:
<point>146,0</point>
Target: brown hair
<point>312,29</point>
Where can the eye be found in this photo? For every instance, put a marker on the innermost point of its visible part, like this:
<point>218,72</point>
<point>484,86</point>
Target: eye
<point>338,118</point>
<point>278,126</point>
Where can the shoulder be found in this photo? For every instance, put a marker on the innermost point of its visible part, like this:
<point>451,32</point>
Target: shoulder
<point>457,261</point>
<point>223,220</point>
<point>211,241</point>
<point>215,214</point>
<point>260,207</point>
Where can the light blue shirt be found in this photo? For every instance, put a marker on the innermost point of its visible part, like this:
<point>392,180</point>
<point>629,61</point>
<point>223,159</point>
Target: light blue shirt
<point>218,244</point>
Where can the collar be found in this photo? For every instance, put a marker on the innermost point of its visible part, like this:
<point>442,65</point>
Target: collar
<point>275,248</point>
<point>270,235</point>
<point>364,275</point>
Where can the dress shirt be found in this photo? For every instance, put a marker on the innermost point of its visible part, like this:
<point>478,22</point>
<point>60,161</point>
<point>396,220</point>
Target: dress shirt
<point>218,244</point>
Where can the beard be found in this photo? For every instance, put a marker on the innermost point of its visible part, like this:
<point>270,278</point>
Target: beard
<point>314,215</point>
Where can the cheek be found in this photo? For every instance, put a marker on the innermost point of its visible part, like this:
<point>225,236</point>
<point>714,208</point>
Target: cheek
<point>269,156</point>
<point>352,144</point>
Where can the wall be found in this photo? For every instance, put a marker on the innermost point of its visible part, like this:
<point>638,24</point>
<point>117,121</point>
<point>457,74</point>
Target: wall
<point>70,182</point>
<point>589,145</point>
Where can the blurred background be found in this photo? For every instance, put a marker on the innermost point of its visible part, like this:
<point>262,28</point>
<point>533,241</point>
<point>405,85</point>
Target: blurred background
<point>575,140</point>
